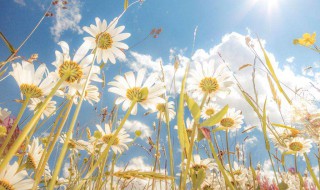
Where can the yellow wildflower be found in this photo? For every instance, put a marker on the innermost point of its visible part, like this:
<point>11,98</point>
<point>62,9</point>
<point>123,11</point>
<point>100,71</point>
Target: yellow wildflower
<point>306,40</point>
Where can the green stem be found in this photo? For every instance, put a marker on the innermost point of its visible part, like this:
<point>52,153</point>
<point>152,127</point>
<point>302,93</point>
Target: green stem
<point>193,134</point>
<point>314,177</point>
<point>157,154</point>
<point>70,130</point>
<point>170,147</point>
<point>28,127</point>
<point>46,155</point>
<point>228,156</point>
<point>221,169</point>
<point>105,153</point>
<point>15,124</point>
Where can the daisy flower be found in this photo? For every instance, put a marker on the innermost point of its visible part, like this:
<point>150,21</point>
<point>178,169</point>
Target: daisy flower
<point>106,40</point>
<point>209,110</point>
<point>74,69</point>
<point>35,151</point>
<point>147,94</point>
<point>35,103</point>
<point>232,120</point>
<point>11,178</point>
<point>206,80</point>
<point>239,172</point>
<point>77,145</point>
<point>161,111</point>
<point>31,81</point>
<point>103,136</point>
<point>4,113</point>
<point>189,126</point>
<point>197,164</point>
<point>298,145</point>
<point>91,93</point>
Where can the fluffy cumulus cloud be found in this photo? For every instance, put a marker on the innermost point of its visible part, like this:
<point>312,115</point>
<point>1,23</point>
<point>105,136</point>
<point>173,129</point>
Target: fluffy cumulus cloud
<point>134,125</point>
<point>234,51</point>
<point>66,17</point>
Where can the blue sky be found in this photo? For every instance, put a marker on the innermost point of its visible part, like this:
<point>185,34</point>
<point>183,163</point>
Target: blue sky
<point>277,22</point>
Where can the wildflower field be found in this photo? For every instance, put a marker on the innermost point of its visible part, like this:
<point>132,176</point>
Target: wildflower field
<point>84,106</point>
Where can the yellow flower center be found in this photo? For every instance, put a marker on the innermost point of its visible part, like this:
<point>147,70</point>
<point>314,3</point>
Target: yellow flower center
<point>197,167</point>
<point>71,144</point>
<point>138,94</point>
<point>207,187</point>
<point>5,185</point>
<point>210,112</point>
<point>104,40</point>
<point>296,146</point>
<point>70,69</point>
<point>106,139</point>
<point>3,131</point>
<point>31,90</point>
<point>161,107</point>
<point>209,85</point>
<point>227,122</point>
<point>31,163</point>
<point>237,172</point>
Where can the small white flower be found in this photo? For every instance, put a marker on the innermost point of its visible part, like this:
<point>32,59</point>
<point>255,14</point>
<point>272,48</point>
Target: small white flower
<point>161,111</point>
<point>298,145</point>
<point>31,82</point>
<point>209,110</point>
<point>103,137</point>
<point>35,151</point>
<point>232,120</point>
<point>75,69</point>
<point>35,103</point>
<point>130,89</point>
<point>106,40</point>
<point>11,178</point>
<point>206,80</point>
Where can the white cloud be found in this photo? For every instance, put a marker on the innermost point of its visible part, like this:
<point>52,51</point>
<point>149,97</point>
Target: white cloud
<point>20,2</point>
<point>236,53</point>
<point>290,59</point>
<point>66,19</point>
<point>134,125</point>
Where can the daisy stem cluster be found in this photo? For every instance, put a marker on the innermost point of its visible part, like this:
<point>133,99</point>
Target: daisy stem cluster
<point>105,153</point>
<point>29,126</point>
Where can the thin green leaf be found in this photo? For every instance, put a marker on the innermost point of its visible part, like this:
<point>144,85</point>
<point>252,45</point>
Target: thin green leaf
<point>264,126</point>
<point>273,74</point>
<point>3,72</point>
<point>216,118</point>
<point>182,133</point>
<point>194,108</point>
<point>10,47</point>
